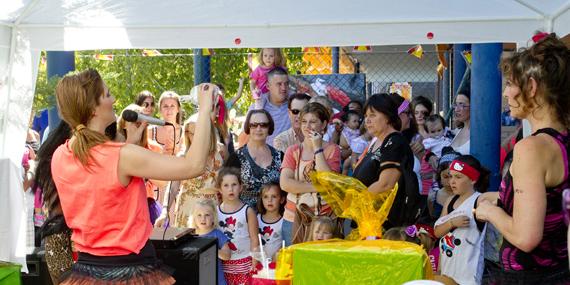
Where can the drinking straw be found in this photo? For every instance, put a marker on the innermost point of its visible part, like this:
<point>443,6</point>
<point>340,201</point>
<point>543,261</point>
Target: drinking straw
<point>263,258</point>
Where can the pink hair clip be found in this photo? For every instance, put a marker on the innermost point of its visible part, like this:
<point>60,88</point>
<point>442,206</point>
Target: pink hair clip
<point>539,36</point>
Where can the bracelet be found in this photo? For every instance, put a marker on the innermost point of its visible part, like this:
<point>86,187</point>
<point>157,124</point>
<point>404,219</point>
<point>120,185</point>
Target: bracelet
<point>319,151</point>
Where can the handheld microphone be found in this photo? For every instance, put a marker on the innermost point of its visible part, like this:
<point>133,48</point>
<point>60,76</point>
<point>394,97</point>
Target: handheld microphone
<point>132,116</point>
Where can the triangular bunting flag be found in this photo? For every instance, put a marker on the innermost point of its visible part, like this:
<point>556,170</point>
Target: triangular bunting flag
<point>207,51</point>
<point>362,48</point>
<point>416,51</point>
<point>467,56</point>
<point>440,70</point>
<point>312,50</point>
<point>441,49</point>
<point>103,57</point>
<point>151,52</point>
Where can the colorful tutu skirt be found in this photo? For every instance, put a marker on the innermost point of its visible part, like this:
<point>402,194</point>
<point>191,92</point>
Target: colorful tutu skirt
<point>142,268</point>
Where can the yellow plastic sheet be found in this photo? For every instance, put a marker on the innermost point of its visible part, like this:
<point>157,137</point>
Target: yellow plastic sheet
<point>353,262</point>
<point>349,198</point>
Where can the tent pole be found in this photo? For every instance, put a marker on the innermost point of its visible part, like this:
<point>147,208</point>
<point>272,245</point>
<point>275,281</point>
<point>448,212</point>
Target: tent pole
<point>335,59</point>
<point>486,108</point>
<point>59,63</point>
<point>201,67</point>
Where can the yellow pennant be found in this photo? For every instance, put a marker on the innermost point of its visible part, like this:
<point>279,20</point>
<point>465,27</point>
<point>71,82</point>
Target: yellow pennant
<point>312,50</point>
<point>151,52</point>
<point>416,51</point>
<point>207,51</point>
<point>440,70</point>
<point>467,56</point>
<point>103,57</point>
<point>362,48</point>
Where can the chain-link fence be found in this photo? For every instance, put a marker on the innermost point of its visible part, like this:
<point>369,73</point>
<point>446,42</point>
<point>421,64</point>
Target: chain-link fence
<point>360,72</point>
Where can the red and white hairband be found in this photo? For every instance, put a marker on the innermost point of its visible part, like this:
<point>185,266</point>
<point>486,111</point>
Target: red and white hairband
<point>465,169</point>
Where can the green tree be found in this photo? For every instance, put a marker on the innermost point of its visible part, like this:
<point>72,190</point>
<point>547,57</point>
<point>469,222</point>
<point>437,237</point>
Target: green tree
<point>129,72</point>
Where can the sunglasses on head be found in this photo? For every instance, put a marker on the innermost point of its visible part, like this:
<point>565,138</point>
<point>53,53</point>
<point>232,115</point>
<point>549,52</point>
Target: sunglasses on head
<point>295,111</point>
<point>460,106</point>
<point>263,125</point>
<point>146,104</point>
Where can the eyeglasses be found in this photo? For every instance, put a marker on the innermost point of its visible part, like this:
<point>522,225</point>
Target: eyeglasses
<point>295,111</point>
<point>146,104</point>
<point>263,125</point>
<point>460,106</point>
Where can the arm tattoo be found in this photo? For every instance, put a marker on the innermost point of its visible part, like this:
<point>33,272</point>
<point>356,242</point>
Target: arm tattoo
<point>519,191</point>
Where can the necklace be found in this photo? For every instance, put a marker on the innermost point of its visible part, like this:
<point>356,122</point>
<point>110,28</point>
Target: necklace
<point>258,155</point>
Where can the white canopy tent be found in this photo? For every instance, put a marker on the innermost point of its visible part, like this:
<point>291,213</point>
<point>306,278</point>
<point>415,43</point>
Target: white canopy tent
<point>30,26</point>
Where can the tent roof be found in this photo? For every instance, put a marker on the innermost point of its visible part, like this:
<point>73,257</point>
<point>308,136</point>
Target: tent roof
<point>102,24</point>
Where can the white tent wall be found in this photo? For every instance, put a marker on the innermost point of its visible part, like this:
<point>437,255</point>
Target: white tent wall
<point>19,67</point>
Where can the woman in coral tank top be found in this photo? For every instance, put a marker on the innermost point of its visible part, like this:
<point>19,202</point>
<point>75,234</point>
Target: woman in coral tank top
<point>101,188</point>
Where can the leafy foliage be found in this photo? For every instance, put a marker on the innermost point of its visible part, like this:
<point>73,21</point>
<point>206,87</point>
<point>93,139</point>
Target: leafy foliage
<point>130,72</point>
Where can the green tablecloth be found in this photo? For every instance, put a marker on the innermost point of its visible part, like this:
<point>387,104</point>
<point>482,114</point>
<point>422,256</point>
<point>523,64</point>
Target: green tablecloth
<point>9,274</point>
<point>358,262</point>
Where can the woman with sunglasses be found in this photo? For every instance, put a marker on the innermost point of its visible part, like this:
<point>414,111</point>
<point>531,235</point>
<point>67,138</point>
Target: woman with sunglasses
<point>527,210</point>
<point>259,162</point>
<point>422,108</point>
<point>146,100</point>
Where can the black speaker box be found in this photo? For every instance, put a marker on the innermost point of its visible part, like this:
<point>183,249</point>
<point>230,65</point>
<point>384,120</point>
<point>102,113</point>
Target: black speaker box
<point>194,261</point>
<point>38,273</point>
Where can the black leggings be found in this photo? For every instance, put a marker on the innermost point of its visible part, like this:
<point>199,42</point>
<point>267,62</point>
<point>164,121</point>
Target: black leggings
<point>553,276</point>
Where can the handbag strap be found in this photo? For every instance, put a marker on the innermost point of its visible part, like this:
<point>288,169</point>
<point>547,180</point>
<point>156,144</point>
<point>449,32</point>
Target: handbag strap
<point>298,177</point>
<point>297,172</point>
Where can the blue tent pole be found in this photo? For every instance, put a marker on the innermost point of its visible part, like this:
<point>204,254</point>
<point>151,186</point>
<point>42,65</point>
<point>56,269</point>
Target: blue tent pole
<point>335,59</point>
<point>59,63</point>
<point>459,65</point>
<point>486,108</point>
<point>206,68</point>
<point>201,67</point>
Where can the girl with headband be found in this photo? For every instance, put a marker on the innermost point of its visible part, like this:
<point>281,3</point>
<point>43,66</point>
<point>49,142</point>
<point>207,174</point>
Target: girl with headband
<point>461,235</point>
